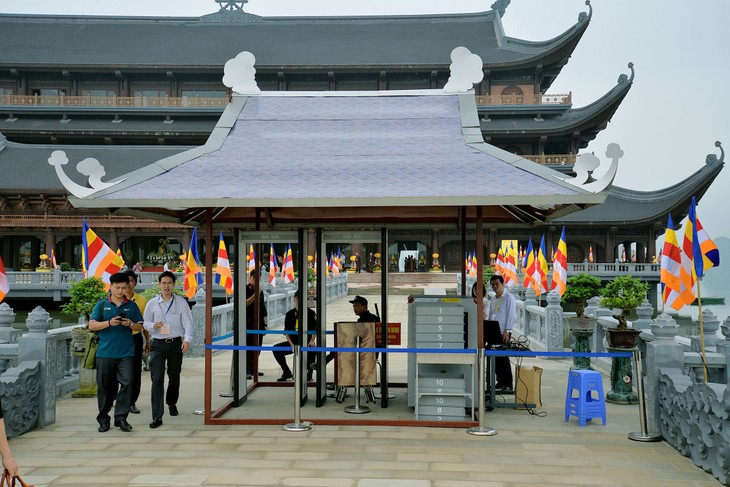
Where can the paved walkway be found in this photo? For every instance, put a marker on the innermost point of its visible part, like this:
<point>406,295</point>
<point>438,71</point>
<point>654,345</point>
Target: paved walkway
<point>528,450</point>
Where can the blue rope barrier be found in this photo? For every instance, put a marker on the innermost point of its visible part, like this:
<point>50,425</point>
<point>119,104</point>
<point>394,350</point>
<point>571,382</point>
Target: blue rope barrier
<point>282,332</point>
<point>222,337</point>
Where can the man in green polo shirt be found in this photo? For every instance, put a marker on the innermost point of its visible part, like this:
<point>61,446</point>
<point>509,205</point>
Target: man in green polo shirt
<point>114,319</point>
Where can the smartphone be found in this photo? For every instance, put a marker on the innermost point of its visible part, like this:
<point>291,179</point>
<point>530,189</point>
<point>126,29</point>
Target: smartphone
<point>122,315</point>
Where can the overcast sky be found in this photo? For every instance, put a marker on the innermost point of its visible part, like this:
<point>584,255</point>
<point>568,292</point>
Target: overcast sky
<point>679,104</point>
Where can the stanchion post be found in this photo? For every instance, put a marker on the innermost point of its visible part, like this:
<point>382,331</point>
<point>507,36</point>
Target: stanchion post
<point>357,409</point>
<point>297,425</point>
<point>481,430</point>
<point>642,435</point>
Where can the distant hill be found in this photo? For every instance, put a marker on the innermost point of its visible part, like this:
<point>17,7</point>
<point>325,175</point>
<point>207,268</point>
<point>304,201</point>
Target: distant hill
<point>715,282</point>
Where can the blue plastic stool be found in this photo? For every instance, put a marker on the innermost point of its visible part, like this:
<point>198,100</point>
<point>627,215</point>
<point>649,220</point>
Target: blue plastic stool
<point>589,402</point>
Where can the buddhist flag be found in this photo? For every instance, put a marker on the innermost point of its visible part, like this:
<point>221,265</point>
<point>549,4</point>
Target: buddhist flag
<point>53,260</point>
<point>119,253</point>
<point>510,267</point>
<point>689,261</point>
<point>542,266</point>
<point>100,260</point>
<point>193,274</point>
<point>272,265</point>
<point>590,254</point>
<point>4,284</point>
<point>251,260</point>
<point>560,266</point>
<point>671,262</point>
<point>499,266</point>
<point>288,271</point>
<point>528,265</point>
<point>334,265</point>
<point>223,274</point>
<point>708,249</point>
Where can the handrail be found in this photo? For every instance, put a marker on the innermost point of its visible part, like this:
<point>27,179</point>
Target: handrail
<point>112,101</point>
<point>526,99</point>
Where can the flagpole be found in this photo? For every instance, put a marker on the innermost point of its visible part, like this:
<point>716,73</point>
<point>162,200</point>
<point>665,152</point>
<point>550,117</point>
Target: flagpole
<point>702,330</point>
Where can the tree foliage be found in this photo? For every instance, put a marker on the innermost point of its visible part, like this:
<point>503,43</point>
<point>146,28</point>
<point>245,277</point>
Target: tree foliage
<point>84,296</point>
<point>580,288</point>
<point>624,293</point>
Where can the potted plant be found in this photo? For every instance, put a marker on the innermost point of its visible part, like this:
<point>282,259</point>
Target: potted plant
<point>623,295</point>
<point>84,296</point>
<point>580,288</point>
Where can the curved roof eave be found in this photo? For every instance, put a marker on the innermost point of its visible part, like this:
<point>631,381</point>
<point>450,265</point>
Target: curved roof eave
<point>625,206</point>
<point>584,118</point>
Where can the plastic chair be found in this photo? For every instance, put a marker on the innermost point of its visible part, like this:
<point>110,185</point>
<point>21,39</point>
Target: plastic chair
<point>589,402</point>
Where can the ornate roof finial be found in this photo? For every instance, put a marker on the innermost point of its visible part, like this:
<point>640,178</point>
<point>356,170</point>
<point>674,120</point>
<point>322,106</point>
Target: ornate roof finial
<point>240,74</point>
<point>232,5</point>
<point>89,167</point>
<point>500,6</point>
<point>623,78</point>
<point>712,158</point>
<point>466,68</point>
<point>231,11</point>
<point>583,16</point>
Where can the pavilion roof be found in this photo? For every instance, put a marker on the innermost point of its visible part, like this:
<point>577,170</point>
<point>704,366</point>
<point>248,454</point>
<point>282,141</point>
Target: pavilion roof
<point>208,42</point>
<point>374,156</point>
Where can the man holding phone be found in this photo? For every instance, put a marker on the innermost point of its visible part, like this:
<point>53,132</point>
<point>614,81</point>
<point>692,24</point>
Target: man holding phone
<point>114,319</point>
<point>170,323</point>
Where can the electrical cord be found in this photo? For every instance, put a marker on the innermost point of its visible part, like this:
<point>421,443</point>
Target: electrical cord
<point>522,343</point>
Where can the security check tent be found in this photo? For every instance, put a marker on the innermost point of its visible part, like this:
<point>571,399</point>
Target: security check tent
<point>355,162</point>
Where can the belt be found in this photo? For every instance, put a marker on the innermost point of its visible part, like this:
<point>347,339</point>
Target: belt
<point>168,340</point>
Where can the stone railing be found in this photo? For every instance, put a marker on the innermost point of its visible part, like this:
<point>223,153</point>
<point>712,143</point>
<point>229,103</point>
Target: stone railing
<point>112,101</point>
<point>36,368</point>
<point>525,99</point>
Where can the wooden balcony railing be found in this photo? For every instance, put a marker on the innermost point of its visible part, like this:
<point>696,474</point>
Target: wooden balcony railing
<point>553,159</point>
<point>111,101</point>
<point>527,99</point>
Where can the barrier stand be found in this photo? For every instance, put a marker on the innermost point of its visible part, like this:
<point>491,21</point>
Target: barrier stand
<point>357,409</point>
<point>481,430</point>
<point>298,424</point>
<point>642,435</point>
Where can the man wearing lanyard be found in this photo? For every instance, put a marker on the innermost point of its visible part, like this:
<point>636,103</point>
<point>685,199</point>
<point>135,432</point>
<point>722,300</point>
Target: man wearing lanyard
<point>114,319</point>
<point>168,319</point>
<point>502,308</point>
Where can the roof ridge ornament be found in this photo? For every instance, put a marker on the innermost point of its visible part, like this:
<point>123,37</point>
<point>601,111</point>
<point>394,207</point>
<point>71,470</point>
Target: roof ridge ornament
<point>89,167</point>
<point>586,164</point>
<point>624,78</point>
<point>240,74</point>
<point>586,16</point>
<point>500,6</point>
<point>231,11</point>
<point>466,68</point>
<point>713,159</point>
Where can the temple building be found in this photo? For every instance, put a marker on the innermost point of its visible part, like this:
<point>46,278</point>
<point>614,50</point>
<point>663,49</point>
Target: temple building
<point>130,91</point>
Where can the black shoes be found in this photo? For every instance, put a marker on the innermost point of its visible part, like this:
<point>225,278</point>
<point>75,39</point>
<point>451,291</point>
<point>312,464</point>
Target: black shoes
<point>133,409</point>
<point>156,422</point>
<point>285,377</point>
<point>173,410</point>
<point>103,427</point>
<point>122,425</point>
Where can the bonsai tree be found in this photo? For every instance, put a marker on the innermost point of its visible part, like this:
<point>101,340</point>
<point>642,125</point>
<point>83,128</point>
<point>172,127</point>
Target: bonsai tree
<point>623,293</point>
<point>580,288</point>
<point>84,296</point>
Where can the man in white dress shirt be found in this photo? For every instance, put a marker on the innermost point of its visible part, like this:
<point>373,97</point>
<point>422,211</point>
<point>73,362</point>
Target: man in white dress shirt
<point>170,323</point>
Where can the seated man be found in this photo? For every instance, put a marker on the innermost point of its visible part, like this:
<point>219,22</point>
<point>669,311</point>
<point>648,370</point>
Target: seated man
<point>291,323</point>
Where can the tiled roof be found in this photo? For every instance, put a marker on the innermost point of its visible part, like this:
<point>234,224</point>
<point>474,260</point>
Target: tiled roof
<point>289,150</point>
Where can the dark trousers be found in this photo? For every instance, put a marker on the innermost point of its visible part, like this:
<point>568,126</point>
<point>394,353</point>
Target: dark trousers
<point>163,352</point>
<point>113,381</point>
<point>281,358</point>
<point>137,371</point>
<point>252,341</point>
<point>502,368</point>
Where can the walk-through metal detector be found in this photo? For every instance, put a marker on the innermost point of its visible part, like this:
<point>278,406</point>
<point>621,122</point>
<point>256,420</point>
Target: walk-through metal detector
<point>324,237</point>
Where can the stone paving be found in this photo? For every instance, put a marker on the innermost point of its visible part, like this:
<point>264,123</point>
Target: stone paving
<point>528,449</point>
